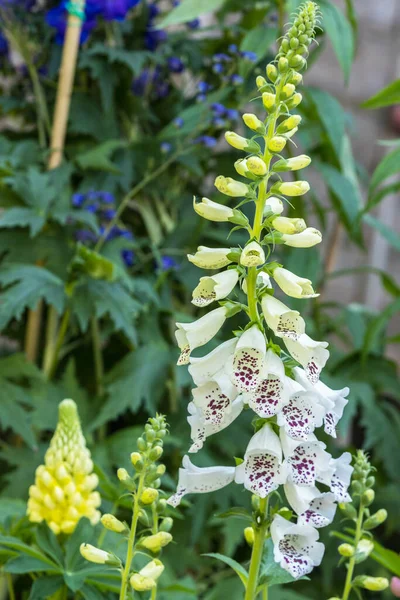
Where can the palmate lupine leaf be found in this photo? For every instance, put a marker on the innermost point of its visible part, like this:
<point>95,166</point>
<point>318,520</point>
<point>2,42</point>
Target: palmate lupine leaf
<point>27,285</point>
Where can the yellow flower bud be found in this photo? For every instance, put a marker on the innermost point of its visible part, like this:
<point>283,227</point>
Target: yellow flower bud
<point>346,550</point>
<point>276,143</point>
<point>241,166</point>
<point>368,497</point>
<point>252,255</point>
<point>256,165</point>
<point>157,541</point>
<point>373,584</point>
<point>272,72</point>
<point>296,78</point>
<point>65,477</point>
<point>376,519</point>
<point>135,457</point>
<point>253,122</point>
<point>249,535</point>
<point>293,188</point>
<point>289,124</point>
<point>261,82</point>
<point>294,101</point>
<point>96,555</point>
<point>292,164</point>
<point>288,225</point>
<point>240,142</point>
<point>123,474</point>
<point>231,187</point>
<point>288,90</point>
<point>149,496</point>
<point>268,100</point>
<point>112,523</point>
<point>141,583</point>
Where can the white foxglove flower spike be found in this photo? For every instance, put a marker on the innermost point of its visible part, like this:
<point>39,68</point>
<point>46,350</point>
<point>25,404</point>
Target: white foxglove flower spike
<point>307,461</point>
<point>310,354</point>
<point>213,364</point>
<point>296,547</point>
<point>341,477</point>
<point>267,399</point>
<point>192,335</point>
<point>312,506</point>
<point>301,415</point>
<point>215,287</point>
<point>261,471</point>
<point>283,321</point>
<point>200,480</point>
<point>293,285</point>
<point>210,258</point>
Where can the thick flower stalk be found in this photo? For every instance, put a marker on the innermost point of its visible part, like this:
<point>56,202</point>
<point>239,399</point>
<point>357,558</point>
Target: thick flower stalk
<point>358,548</point>
<point>148,510</point>
<point>254,369</point>
<point>64,486</point>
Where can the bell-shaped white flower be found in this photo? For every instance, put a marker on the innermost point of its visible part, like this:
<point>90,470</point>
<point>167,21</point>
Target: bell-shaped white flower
<point>333,401</point>
<point>213,364</point>
<point>340,481</point>
<point>200,480</point>
<point>293,285</point>
<point>215,287</point>
<point>210,258</point>
<point>306,462</point>
<point>268,398</point>
<point>214,399</point>
<point>310,354</point>
<point>201,429</point>
<point>273,205</point>
<point>260,472</point>
<point>284,322</point>
<point>305,239</point>
<point>296,547</point>
<point>252,255</point>
<point>192,335</point>
<point>248,359</point>
<point>212,210</point>
<point>312,506</point>
<point>263,280</point>
<point>302,414</point>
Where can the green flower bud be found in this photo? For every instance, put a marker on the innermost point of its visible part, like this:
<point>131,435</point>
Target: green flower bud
<point>294,43</point>
<point>166,524</point>
<point>141,444</point>
<point>363,550</point>
<point>373,584</point>
<point>276,143</point>
<point>376,519</point>
<point>149,495</point>
<point>241,143</point>
<point>268,100</point>
<point>255,502</point>
<point>287,91</point>
<point>368,497</point>
<point>249,535</point>
<point>155,453</point>
<point>157,483</point>
<point>254,123</point>
<point>160,470</point>
<point>140,583</point>
<point>348,510</point>
<point>151,435</point>
<point>144,518</point>
<point>113,524</point>
<point>357,487</point>
<point>289,124</point>
<point>272,72</point>
<point>296,78</point>
<point>283,64</point>
<point>346,550</point>
<point>161,506</point>
<point>294,101</point>
<point>123,475</point>
<point>370,481</point>
<point>241,167</point>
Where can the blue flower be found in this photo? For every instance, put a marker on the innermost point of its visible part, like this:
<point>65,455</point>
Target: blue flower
<point>221,57</point>
<point>3,45</point>
<point>125,233</point>
<point>201,98</point>
<point>57,18</point>
<point>128,256</point>
<point>93,208</point>
<point>110,10</point>
<point>107,197</point>
<point>165,147</point>
<point>175,64</point>
<point>232,48</point>
<point>194,24</point>
<point>203,87</point>
<point>250,56</point>
<point>218,109</point>
<point>218,68</point>
<point>206,140</point>
<point>232,114</point>
<point>109,214</point>
<point>236,79</point>
<point>218,122</point>
<point>84,235</point>
<point>153,37</point>
<point>167,262</point>
<point>77,200</point>
<point>178,122</point>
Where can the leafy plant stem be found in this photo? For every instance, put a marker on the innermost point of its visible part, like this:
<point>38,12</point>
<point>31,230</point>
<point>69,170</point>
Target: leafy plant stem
<point>256,555</point>
<point>132,534</point>
<point>265,593</point>
<point>10,587</point>
<point>97,355</point>
<point>53,361</point>
<point>352,561</point>
<point>51,332</point>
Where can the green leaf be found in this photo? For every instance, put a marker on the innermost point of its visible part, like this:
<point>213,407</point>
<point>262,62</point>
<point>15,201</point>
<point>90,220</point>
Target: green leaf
<point>11,508</point>
<point>387,558</point>
<point>387,97</point>
<point>271,573</point>
<point>13,543</point>
<point>189,10</point>
<point>98,158</point>
<point>390,165</point>
<point>35,188</point>
<point>73,559</point>
<point>389,234</point>
<point>12,412</point>
<point>29,285</point>
<point>344,195</point>
<point>340,33</point>
<point>48,542</point>
<point>28,564</point>
<point>235,511</point>
<point>44,587</point>
<point>136,380</point>
<point>259,40</point>
<point>239,570</point>
<point>378,325</point>
<point>332,117</point>
<point>22,217</point>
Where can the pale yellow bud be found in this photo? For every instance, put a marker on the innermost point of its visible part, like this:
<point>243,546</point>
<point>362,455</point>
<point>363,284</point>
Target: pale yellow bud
<point>112,523</point>
<point>268,100</point>
<point>373,584</point>
<point>256,165</point>
<point>276,143</point>
<point>241,166</point>
<point>231,187</point>
<point>153,569</point>
<point>261,82</point>
<point>272,72</point>
<point>294,101</point>
<point>346,550</point>
<point>135,457</point>
<point>240,142</point>
<point>123,474</point>
<point>96,555</point>
<point>288,225</point>
<point>288,90</point>
<point>149,495</point>
<point>293,188</point>
<point>253,122</point>
<point>249,535</point>
<point>157,541</point>
<point>141,583</point>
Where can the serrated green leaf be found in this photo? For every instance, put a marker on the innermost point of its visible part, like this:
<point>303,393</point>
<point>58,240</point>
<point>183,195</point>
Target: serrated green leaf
<point>28,285</point>
<point>98,158</point>
<point>20,216</point>
<point>35,188</point>
<point>390,165</point>
<point>12,412</point>
<point>388,96</point>
<point>237,567</point>
<point>340,33</point>
<point>189,10</point>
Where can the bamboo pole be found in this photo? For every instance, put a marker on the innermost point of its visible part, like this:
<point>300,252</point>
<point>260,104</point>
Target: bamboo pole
<point>76,10</point>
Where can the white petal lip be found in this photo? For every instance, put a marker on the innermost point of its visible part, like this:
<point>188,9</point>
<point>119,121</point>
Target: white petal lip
<point>205,368</point>
<point>274,204</point>
<point>213,211</point>
<point>301,416</point>
<point>283,321</point>
<point>192,335</point>
<point>340,480</point>
<point>215,287</point>
<point>210,258</point>
<point>200,480</point>
<point>306,239</point>
<point>248,360</point>
<point>311,354</point>
<point>293,285</point>
<point>200,430</point>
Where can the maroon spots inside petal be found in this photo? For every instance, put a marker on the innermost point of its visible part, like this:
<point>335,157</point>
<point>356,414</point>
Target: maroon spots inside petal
<point>261,471</point>
<point>247,368</point>
<point>312,371</point>
<point>184,357</point>
<point>302,463</point>
<point>216,405</point>
<point>267,399</point>
<point>299,418</point>
<point>295,556</point>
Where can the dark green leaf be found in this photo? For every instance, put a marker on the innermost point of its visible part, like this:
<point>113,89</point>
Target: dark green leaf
<point>11,508</point>
<point>48,542</point>
<point>340,33</point>
<point>23,217</point>
<point>189,10</point>
<point>44,587</point>
<point>378,325</point>
<point>98,158</point>
<point>239,570</point>
<point>235,511</point>
<point>259,40</point>
<point>343,190</point>
<point>332,117</point>
<point>390,165</point>
<point>387,558</point>
<point>387,97</point>
<point>12,412</point>
<point>389,234</point>
<point>28,564</point>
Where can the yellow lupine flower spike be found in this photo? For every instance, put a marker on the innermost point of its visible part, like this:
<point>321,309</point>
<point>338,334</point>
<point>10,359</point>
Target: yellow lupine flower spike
<point>63,491</point>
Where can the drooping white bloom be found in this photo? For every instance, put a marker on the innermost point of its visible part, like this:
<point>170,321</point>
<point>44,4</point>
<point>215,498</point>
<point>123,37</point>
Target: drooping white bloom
<point>284,322</point>
<point>252,255</point>
<point>210,258</point>
<point>214,399</point>
<point>249,359</point>
<point>313,507</point>
<point>214,364</point>
<point>305,239</point>
<point>341,477</point>
<point>200,480</point>
<point>261,472</point>
<point>296,547</point>
<point>293,285</point>
<point>333,401</point>
<point>302,414</point>
<point>202,429</point>
<point>273,205</point>
<point>192,335</point>
<point>268,398</point>
<point>310,354</point>
<point>213,211</point>
<point>215,287</point>
<point>307,461</point>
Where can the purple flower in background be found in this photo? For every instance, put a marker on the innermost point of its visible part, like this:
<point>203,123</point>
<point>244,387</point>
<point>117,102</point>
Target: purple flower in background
<point>178,122</point>
<point>78,200</point>
<point>153,37</point>
<point>250,56</point>
<point>206,140</point>
<point>194,24</point>
<point>84,235</point>
<point>151,80</point>
<point>203,87</point>
<point>175,64</point>
<point>128,256</point>
<point>167,262</point>
<point>57,18</point>
<point>110,10</point>
<point>237,80</point>
<point>232,114</point>
<point>218,109</point>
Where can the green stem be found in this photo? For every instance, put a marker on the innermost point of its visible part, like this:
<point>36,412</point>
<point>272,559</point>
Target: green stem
<point>265,593</point>
<point>132,535</point>
<point>53,360</point>
<point>10,586</point>
<point>352,561</point>
<point>256,555</point>
<point>51,332</point>
<point>97,355</point>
